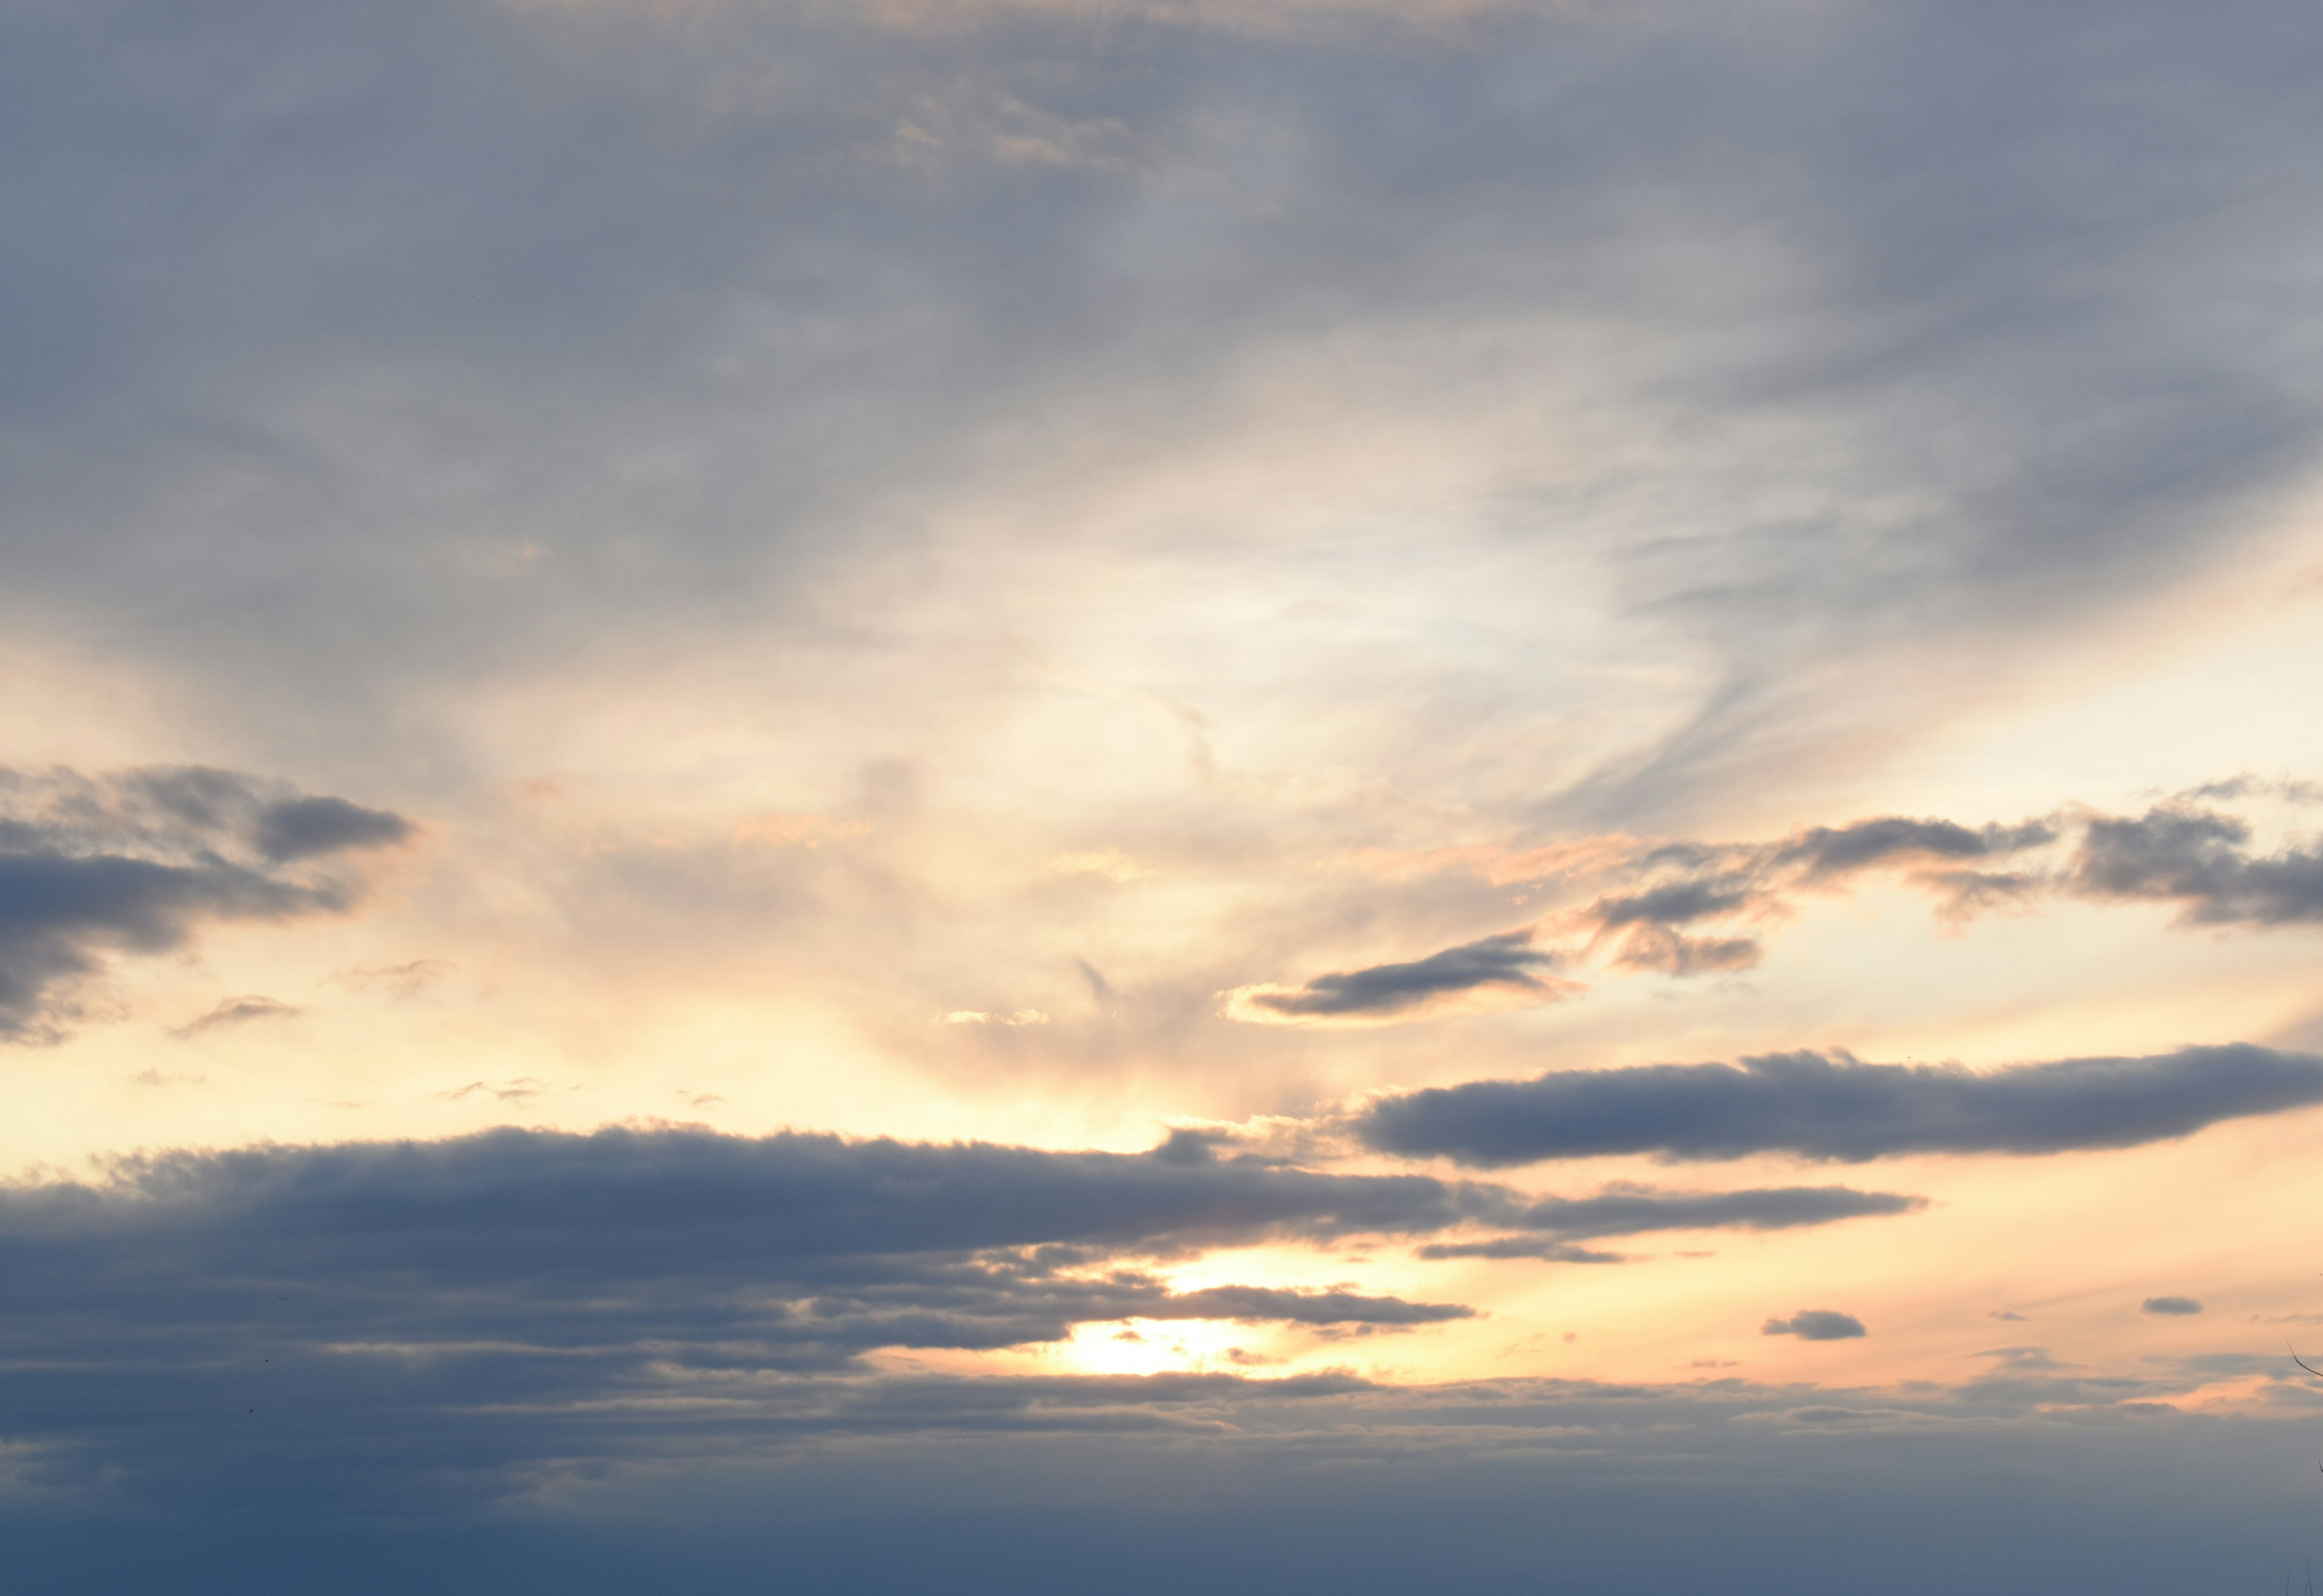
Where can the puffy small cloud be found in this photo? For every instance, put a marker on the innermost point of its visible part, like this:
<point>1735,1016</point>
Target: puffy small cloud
<point>1816,1324</point>
<point>2170,1305</point>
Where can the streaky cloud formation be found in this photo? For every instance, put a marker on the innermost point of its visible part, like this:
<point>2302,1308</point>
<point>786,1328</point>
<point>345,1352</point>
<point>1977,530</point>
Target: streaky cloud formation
<point>1689,908</point>
<point>1507,962</point>
<point>564,1279</point>
<point>136,861</point>
<point>238,1011</point>
<point>1693,908</point>
<point>1834,1106</point>
<point>2170,1306</point>
<point>806,1251</point>
<point>1633,1210</point>
<point>1816,1324</point>
<point>1828,851</point>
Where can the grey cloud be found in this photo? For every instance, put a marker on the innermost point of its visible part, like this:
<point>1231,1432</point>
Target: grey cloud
<point>1556,1223</point>
<point>1507,959</point>
<point>1815,1324</point>
<point>1658,948</point>
<point>1825,851</point>
<point>2170,1305</point>
<point>1677,902</point>
<point>2198,858</point>
<point>808,1251</point>
<point>305,827</point>
<point>517,1295</point>
<point>1836,1107</point>
<point>1682,884</point>
<point>136,861</point>
<point>786,244</point>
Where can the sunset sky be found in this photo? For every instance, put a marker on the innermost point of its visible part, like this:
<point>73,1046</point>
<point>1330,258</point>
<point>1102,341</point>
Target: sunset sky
<point>1140,795</point>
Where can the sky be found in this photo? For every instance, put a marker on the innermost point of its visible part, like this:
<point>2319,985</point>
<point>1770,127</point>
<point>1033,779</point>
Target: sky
<point>867,796</point>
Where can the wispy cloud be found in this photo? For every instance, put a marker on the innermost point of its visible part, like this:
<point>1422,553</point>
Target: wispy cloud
<point>238,1011</point>
<point>1506,966</point>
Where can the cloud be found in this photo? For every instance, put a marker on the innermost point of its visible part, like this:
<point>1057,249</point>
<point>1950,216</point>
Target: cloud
<point>1556,1223</point>
<point>555,1292</point>
<point>137,860</point>
<point>1507,963</point>
<point>2170,1305</point>
<point>2173,854</point>
<point>2198,858</point>
<point>1815,1324</point>
<point>809,1250</point>
<point>305,828</point>
<point>1686,908</point>
<point>1836,1107</point>
<point>237,1011</point>
<point>1824,852</point>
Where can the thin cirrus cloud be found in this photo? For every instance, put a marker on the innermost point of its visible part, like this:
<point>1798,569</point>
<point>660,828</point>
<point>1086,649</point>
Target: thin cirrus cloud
<point>238,1011</point>
<point>1559,1223</point>
<point>1834,1106</point>
<point>138,860</point>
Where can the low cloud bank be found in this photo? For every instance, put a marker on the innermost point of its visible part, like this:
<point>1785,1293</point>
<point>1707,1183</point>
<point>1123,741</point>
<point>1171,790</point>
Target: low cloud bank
<point>1834,1106</point>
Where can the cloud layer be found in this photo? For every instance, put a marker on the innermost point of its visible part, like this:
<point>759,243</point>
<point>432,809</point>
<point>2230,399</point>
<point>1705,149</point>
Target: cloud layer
<point>1837,1107</point>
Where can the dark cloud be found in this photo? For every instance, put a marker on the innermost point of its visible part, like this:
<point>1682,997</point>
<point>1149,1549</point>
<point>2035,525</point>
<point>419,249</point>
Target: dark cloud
<point>1836,1107</point>
<point>2199,858</point>
<point>1507,960</point>
<point>303,828</point>
<point>389,1309</point>
<point>1683,884</point>
<point>1815,1324</point>
<point>1824,852</point>
<point>1677,902</point>
<point>1556,1223</point>
<point>136,861</point>
<point>1666,917</point>
<point>2170,1305</point>
<point>806,1251</point>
